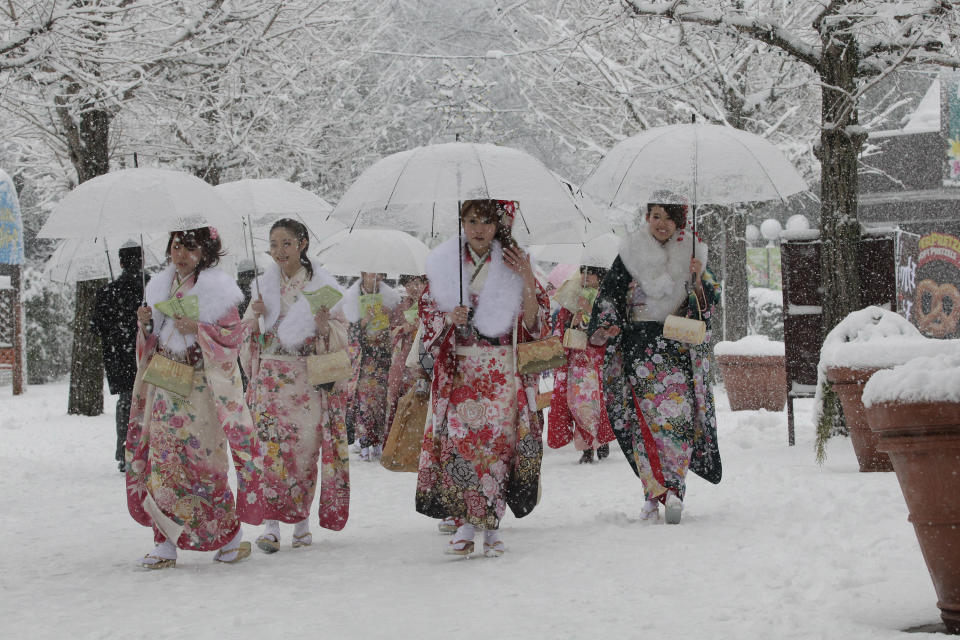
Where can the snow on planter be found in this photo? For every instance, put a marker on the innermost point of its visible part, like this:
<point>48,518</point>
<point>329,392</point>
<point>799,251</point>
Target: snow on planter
<point>750,346</point>
<point>924,379</point>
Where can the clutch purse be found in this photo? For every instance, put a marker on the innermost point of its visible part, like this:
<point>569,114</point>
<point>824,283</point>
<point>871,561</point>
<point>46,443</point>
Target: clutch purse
<point>534,357</point>
<point>686,330</point>
<point>575,339</point>
<point>329,367</point>
<point>176,377</point>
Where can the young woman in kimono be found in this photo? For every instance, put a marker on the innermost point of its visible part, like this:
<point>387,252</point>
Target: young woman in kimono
<point>368,401</point>
<point>296,423</point>
<point>482,446</point>
<point>577,411</point>
<point>177,449</point>
<point>656,390</point>
<point>401,377</point>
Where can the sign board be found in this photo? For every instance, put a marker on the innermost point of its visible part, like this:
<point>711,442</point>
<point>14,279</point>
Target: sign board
<point>11,225</point>
<point>936,300</point>
<point>950,126</point>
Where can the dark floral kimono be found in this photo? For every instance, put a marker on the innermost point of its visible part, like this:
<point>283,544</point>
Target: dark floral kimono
<point>656,390</point>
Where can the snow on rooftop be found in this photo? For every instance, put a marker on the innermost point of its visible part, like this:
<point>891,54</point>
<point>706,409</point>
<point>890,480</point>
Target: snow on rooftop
<point>927,116</point>
<point>5,282</point>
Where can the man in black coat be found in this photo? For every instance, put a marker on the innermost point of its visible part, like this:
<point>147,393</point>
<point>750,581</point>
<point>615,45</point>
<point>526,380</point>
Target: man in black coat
<point>115,321</point>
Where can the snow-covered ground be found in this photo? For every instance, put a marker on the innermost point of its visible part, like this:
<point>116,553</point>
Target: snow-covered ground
<point>781,548</point>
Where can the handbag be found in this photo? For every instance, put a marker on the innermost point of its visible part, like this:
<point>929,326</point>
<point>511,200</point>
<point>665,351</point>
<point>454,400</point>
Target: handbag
<point>575,339</point>
<point>176,377</point>
<point>401,452</point>
<point>540,355</point>
<point>329,367</point>
<point>686,330</point>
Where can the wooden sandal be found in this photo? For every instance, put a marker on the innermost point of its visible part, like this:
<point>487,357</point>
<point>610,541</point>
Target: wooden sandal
<point>242,551</point>
<point>493,550</point>
<point>302,541</point>
<point>161,563</point>
<point>454,549</point>
<point>269,543</point>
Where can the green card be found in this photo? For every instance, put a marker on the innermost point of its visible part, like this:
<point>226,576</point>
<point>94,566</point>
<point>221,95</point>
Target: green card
<point>186,307</point>
<point>323,298</point>
<point>374,301</point>
<point>411,314</point>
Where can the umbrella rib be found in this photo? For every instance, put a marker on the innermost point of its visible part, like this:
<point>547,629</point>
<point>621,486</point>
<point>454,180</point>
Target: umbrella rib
<point>483,174</point>
<point>636,157</point>
<point>403,169</point>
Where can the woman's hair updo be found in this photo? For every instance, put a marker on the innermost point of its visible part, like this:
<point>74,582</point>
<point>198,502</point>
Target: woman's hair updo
<point>672,203</point>
<point>204,238</point>
<point>299,231</point>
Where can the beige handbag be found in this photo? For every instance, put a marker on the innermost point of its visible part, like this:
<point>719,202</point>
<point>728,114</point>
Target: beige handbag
<point>575,339</point>
<point>686,330</point>
<point>329,367</point>
<point>176,377</point>
<point>402,449</point>
<point>534,357</point>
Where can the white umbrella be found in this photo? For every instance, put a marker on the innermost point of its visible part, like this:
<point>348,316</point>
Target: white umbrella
<point>597,252</point>
<point>135,201</point>
<point>702,163</point>
<point>77,259</point>
<point>419,191</point>
<point>374,251</point>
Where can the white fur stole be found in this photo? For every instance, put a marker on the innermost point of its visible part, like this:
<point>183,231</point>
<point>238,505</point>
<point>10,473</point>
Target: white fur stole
<point>499,303</point>
<point>350,303</point>
<point>661,269</point>
<point>298,324</point>
<point>216,292</point>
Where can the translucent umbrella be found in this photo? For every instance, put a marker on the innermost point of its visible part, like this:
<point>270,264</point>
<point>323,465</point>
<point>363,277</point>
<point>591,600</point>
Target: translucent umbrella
<point>419,191</point>
<point>135,201</point>
<point>376,251</point>
<point>77,259</point>
<point>701,163</point>
<point>597,252</point>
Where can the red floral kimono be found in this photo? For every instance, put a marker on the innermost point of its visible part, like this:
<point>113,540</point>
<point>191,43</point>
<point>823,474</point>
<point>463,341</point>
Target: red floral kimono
<point>482,445</point>
<point>178,448</point>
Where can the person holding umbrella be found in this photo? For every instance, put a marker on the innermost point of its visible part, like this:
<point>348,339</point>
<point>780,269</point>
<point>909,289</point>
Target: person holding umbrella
<point>294,421</point>
<point>188,406</point>
<point>368,305</point>
<point>656,389</point>
<point>482,446</point>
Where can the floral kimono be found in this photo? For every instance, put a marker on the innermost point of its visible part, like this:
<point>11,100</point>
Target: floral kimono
<point>178,448</point>
<point>656,390</point>
<point>577,410</point>
<point>401,377</point>
<point>482,445</point>
<point>296,423</point>
<point>367,402</point>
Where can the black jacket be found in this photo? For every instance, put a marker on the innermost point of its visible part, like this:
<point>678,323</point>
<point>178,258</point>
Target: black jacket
<point>115,321</point>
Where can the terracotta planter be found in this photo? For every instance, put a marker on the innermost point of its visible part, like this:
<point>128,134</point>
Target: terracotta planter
<point>923,441</point>
<point>848,383</point>
<point>754,382</point>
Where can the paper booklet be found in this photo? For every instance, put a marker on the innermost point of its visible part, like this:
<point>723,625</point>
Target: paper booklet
<point>186,307</point>
<point>323,298</point>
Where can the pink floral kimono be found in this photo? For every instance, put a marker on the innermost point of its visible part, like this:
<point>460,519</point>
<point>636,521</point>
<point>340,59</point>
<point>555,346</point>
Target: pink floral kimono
<point>577,409</point>
<point>482,445</point>
<point>297,425</point>
<point>178,448</point>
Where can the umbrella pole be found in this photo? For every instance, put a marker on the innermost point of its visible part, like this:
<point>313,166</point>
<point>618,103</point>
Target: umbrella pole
<point>253,253</point>
<point>143,271</point>
<point>460,249</point>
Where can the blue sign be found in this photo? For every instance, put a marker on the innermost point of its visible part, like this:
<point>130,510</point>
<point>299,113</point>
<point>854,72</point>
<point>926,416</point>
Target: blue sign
<point>11,225</point>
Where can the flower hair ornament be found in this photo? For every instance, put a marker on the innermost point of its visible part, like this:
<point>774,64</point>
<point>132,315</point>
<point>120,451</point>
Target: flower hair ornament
<point>507,210</point>
<point>214,234</point>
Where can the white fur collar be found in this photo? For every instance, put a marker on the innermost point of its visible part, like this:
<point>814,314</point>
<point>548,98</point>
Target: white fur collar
<point>499,303</point>
<point>216,292</point>
<point>661,269</point>
<point>350,303</point>
<point>298,324</point>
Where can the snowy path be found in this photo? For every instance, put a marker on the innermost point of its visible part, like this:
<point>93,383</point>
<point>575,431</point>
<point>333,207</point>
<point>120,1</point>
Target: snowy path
<point>781,548</point>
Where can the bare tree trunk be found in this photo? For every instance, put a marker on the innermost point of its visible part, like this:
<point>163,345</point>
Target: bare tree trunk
<point>89,153</point>
<point>840,142</point>
<point>736,295</point>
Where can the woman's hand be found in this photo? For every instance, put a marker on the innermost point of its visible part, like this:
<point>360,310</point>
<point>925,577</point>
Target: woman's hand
<point>519,263</point>
<point>144,315</point>
<point>185,326</point>
<point>696,267</point>
<point>322,319</point>
<point>458,316</point>
<point>258,307</point>
<point>370,315</point>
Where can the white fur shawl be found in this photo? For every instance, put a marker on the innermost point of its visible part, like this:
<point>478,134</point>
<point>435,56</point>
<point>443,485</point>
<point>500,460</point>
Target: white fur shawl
<point>661,269</point>
<point>499,303</point>
<point>216,292</point>
<point>298,324</point>
<point>350,303</point>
